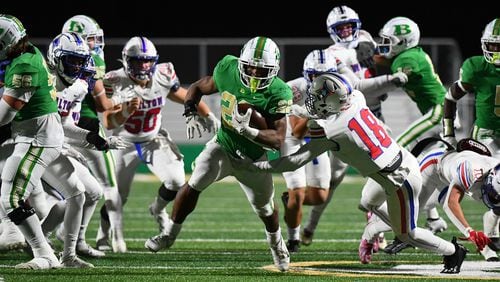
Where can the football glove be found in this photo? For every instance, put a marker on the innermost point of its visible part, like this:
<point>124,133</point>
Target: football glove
<point>117,143</point>
<point>398,78</point>
<point>478,238</point>
<point>364,54</point>
<point>241,123</point>
<point>100,143</point>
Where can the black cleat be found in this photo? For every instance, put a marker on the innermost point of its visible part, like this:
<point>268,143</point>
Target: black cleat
<point>396,246</point>
<point>452,263</point>
<point>495,244</point>
<point>293,246</point>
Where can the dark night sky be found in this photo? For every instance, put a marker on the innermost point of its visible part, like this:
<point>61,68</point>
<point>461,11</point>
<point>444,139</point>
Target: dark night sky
<point>269,18</point>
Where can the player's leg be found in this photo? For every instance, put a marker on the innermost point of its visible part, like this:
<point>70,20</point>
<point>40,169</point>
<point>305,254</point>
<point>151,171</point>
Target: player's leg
<point>21,171</point>
<point>169,168</point>
<point>427,125</point>
<point>260,193</point>
<point>338,171</point>
<point>292,201</point>
<point>211,165</point>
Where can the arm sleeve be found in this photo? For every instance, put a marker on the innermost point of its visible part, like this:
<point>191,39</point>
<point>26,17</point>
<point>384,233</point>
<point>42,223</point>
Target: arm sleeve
<point>304,155</point>
<point>375,86</point>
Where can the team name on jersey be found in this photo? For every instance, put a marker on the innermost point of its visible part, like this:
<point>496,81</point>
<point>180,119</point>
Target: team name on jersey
<point>154,103</point>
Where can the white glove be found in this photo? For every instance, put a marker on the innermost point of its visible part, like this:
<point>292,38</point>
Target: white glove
<point>211,123</point>
<point>117,143</point>
<point>299,111</point>
<point>241,123</point>
<point>72,153</point>
<point>123,96</point>
<point>78,89</point>
<point>398,78</point>
<point>194,123</point>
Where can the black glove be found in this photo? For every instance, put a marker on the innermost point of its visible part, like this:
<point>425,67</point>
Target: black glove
<point>364,54</point>
<point>189,108</point>
<point>100,143</point>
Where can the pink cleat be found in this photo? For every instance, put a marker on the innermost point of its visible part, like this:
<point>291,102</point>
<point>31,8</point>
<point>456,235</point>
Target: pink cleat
<point>365,251</point>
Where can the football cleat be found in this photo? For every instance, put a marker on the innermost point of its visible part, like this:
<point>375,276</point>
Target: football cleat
<point>306,237</point>
<point>11,238</point>
<point>44,262</point>
<point>495,244</point>
<point>159,242</point>
<point>452,263</point>
<point>85,250</point>
<point>75,262</point>
<point>396,246</point>
<point>365,251</point>
<point>293,246</point>
<point>436,225</point>
<point>489,254</point>
<point>281,256</point>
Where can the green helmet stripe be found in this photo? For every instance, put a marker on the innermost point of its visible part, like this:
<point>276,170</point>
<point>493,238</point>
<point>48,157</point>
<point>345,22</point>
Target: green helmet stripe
<point>259,48</point>
<point>496,27</point>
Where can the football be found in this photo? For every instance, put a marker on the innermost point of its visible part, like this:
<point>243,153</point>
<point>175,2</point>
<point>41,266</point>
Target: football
<point>257,120</point>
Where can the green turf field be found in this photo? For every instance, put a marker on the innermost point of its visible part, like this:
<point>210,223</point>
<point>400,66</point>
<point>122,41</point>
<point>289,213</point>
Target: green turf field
<point>224,240</point>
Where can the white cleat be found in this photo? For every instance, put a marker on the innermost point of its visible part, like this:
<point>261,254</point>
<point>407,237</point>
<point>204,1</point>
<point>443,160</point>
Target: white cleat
<point>75,262</point>
<point>44,262</point>
<point>11,238</point>
<point>436,225</point>
<point>281,257</point>
<point>489,254</point>
<point>85,250</point>
<point>161,218</point>
<point>159,242</point>
<point>118,245</point>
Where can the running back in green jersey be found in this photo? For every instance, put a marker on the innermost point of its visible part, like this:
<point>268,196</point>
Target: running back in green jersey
<point>273,101</point>
<point>88,104</point>
<point>485,79</point>
<point>29,71</point>
<point>424,86</point>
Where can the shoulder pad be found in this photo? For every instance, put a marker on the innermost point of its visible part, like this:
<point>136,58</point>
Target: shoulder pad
<point>165,74</point>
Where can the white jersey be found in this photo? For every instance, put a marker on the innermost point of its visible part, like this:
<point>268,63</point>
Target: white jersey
<point>68,102</point>
<point>361,139</point>
<point>464,169</point>
<point>143,125</point>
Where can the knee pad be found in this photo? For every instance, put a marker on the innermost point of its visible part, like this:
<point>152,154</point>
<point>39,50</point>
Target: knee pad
<point>20,213</point>
<point>166,194</point>
<point>264,211</point>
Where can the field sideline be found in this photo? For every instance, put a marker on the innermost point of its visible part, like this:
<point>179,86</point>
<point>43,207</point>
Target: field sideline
<point>223,240</point>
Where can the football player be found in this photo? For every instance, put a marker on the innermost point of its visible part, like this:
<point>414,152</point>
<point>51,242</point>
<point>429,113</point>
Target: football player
<point>139,122</point>
<point>28,101</point>
<point>355,135</point>
<point>102,164</point>
<point>251,78</point>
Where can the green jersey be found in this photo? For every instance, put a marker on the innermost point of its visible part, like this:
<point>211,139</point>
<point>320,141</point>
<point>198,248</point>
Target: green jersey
<point>424,86</point>
<point>88,104</point>
<point>275,99</point>
<point>29,71</point>
<point>485,79</point>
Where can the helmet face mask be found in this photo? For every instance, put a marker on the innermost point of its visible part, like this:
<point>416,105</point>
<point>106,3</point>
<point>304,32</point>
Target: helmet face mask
<point>318,62</point>
<point>490,42</point>
<point>259,63</point>
<point>11,32</point>
<point>329,94</point>
<point>397,35</point>
<point>139,58</point>
<point>343,25</point>
<point>88,28</point>
<point>491,189</point>
<point>69,55</point>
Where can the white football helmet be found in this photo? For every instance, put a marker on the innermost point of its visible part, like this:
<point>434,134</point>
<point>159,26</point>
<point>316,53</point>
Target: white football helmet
<point>11,32</point>
<point>318,62</point>
<point>329,94</point>
<point>259,63</point>
<point>136,52</point>
<point>397,35</point>
<point>88,28</point>
<point>490,189</point>
<point>339,16</point>
<point>490,42</point>
<point>68,55</point>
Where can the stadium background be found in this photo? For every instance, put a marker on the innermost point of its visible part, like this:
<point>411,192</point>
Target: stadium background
<point>194,39</point>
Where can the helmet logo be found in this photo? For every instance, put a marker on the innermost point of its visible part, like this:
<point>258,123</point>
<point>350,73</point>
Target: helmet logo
<point>401,29</point>
<point>76,27</point>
